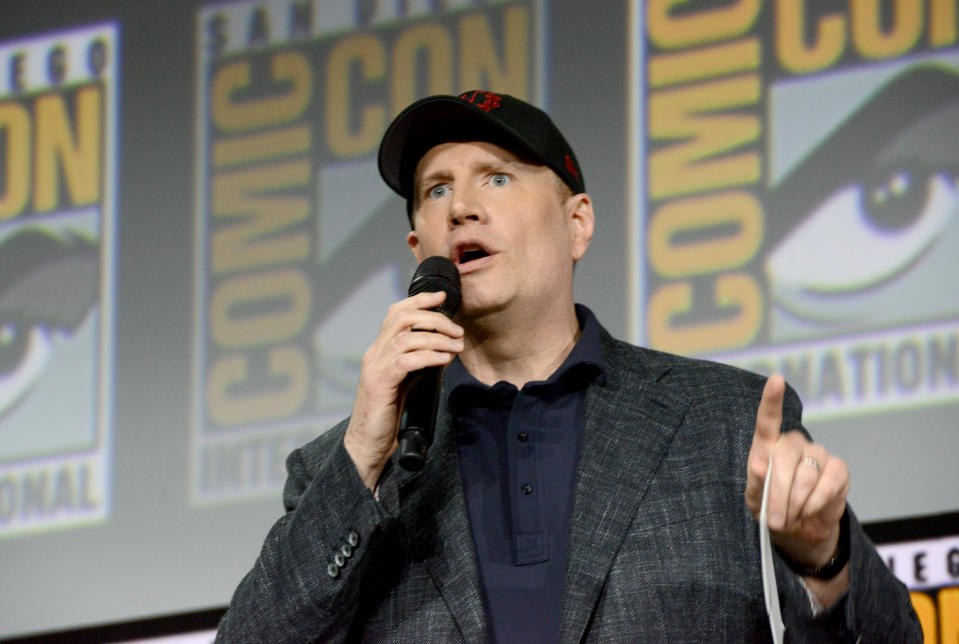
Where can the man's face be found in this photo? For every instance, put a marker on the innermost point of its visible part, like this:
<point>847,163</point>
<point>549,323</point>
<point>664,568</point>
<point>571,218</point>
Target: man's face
<point>506,224</point>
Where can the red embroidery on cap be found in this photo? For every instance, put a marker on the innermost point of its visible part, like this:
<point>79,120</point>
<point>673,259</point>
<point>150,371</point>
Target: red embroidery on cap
<point>490,100</point>
<point>571,167</point>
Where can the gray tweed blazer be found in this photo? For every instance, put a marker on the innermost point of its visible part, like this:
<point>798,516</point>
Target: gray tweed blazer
<point>662,546</point>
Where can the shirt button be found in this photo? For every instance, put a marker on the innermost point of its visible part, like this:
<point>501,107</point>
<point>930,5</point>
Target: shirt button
<point>527,488</point>
<point>522,437</point>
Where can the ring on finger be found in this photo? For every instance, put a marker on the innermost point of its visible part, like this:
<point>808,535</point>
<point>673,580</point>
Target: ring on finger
<point>809,460</point>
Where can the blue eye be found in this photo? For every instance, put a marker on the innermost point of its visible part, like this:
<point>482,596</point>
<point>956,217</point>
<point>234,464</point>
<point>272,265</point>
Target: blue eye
<point>25,352</point>
<point>439,191</point>
<point>499,179</point>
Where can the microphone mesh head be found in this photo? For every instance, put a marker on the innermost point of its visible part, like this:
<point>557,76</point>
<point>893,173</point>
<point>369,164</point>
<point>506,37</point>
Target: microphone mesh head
<point>438,274</point>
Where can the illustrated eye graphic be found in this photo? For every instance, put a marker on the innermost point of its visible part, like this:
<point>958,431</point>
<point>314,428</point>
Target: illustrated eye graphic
<point>12,347</point>
<point>893,199</point>
<point>862,235</point>
<point>24,353</point>
<point>48,287</point>
<point>877,206</point>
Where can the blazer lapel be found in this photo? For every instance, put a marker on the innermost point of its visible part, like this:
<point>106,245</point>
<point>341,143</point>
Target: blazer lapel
<point>437,522</point>
<point>629,424</point>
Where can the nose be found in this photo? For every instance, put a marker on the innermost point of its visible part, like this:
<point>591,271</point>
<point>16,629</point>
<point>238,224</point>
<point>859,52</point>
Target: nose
<point>465,206</point>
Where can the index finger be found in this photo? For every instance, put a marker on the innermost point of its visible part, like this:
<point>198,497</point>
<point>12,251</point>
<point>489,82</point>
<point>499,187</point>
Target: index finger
<point>419,313</point>
<point>769,416</point>
<point>427,299</point>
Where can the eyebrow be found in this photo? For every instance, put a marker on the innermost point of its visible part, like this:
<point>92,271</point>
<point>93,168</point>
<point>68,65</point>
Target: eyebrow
<point>480,168</point>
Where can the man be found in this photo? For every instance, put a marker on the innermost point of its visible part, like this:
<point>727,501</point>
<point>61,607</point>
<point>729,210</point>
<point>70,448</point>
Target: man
<point>579,488</point>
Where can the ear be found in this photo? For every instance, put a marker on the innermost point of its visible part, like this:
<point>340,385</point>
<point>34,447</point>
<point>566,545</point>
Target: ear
<point>580,209</point>
<point>413,241</point>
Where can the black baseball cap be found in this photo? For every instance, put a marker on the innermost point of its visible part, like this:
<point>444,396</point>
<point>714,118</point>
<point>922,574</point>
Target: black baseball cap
<point>476,115</point>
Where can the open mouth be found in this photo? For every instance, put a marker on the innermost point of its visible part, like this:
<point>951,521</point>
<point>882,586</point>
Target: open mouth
<point>470,253</point>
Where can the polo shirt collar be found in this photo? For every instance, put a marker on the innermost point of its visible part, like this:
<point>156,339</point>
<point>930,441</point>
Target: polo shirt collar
<point>585,358</point>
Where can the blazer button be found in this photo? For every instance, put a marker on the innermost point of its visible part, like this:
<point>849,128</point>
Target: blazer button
<point>347,550</point>
<point>333,571</point>
<point>339,560</point>
<point>353,538</point>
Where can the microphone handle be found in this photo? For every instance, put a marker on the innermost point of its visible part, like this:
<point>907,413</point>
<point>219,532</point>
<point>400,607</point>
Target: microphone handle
<point>418,417</point>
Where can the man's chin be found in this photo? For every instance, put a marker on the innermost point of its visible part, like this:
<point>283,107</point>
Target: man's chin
<point>476,308</point>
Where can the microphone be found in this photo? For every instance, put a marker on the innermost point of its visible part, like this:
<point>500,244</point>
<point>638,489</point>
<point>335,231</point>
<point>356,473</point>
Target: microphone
<point>422,387</point>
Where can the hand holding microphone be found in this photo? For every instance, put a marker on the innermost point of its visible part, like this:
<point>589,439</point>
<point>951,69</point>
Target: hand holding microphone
<point>422,387</point>
<point>417,340</point>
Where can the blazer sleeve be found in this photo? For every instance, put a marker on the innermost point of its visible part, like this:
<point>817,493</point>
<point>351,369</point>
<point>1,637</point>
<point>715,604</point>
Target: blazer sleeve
<point>306,583</point>
<point>877,606</point>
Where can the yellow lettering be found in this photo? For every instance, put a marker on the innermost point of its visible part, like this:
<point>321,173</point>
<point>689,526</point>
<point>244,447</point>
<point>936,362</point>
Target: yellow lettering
<point>926,611</point>
<point>791,49</point>
<point>692,165</point>
<point>289,69</point>
<point>254,241</point>
<point>942,22</point>
<point>434,41</point>
<point>695,28</point>
<point>707,62</point>
<point>56,147</point>
<point>366,52</point>
<point>949,614</point>
<point>285,293</point>
<point>479,66</point>
<point>867,33</point>
<point>288,371</point>
<point>15,128</point>
<point>262,146</point>
<point>698,214</point>
<point>737,291</point>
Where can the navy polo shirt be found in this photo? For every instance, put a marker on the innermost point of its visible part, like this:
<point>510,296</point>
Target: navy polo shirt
<point>518,450</point>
